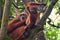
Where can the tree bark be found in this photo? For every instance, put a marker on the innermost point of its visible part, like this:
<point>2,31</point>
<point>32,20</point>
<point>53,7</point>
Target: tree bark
<point>6,12</point>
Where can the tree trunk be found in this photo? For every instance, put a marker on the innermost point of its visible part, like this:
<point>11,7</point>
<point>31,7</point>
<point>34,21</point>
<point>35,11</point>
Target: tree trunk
<point>5,17</point>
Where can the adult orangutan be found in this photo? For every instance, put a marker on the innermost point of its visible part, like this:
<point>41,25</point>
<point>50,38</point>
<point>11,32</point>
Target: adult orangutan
<point>32,11</point>
<point>20,27</point>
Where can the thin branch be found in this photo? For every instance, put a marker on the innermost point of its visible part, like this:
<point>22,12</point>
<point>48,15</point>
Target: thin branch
<point>26,1</point>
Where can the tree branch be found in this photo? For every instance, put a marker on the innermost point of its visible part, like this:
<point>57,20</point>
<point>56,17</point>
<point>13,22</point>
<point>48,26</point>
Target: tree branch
<point>43,19</point>
<point>26,1</point>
